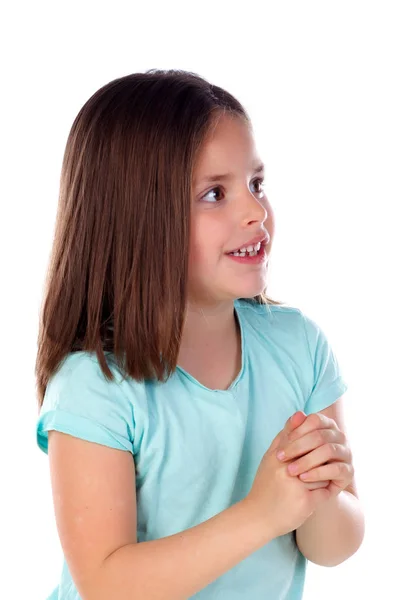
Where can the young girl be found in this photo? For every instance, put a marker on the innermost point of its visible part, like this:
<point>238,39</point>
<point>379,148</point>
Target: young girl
<point>164,372</point>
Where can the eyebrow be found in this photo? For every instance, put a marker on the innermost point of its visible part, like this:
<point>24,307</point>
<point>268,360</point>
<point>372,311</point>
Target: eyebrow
<point>225,176</point>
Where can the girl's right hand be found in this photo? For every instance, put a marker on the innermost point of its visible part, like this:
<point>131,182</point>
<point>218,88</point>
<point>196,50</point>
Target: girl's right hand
<point>282,500</point>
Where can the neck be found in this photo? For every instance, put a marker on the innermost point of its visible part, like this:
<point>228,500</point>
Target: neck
<point>211,345</point>
<point>205,325</point>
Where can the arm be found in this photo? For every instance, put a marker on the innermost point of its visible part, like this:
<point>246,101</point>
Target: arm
<point>95,507</point>
<point>334,532</point>
<point>178,566</point>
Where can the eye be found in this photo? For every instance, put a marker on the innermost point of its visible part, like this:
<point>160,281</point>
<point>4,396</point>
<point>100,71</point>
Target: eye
<point>259,180</point>
<point>205,196</point>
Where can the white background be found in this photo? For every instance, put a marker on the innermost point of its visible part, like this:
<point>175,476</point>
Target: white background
<point>329,88</point>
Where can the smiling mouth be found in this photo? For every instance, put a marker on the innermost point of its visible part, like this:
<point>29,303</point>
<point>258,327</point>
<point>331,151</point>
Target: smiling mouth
<point>252,250</point>
<point>249,258</point>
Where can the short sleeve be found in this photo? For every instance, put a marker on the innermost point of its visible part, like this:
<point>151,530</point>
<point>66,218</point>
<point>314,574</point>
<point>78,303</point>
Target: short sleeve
<point>80,401</point>
<point>328,383</point>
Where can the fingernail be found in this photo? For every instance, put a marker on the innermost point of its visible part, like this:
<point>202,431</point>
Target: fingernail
<point>281,455</point>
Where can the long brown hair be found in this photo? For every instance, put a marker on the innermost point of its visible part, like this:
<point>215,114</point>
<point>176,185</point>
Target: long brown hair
<point>117,275</point>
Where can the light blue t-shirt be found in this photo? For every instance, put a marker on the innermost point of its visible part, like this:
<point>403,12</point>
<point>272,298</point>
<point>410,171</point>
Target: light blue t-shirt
<point>197,450</point>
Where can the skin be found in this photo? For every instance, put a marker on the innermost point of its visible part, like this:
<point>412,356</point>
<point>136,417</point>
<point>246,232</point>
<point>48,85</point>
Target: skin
<point>225,214</point>
<point>317,450</point>
<point>210,348</point>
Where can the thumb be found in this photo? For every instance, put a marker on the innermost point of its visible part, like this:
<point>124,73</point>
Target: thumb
<point>292,423</point>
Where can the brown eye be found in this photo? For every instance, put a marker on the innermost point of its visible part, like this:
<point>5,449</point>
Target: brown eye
<point>204,197</point>
<point>260,181</point>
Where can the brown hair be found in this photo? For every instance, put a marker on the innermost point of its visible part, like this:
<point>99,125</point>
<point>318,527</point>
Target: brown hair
<point>117,275</point>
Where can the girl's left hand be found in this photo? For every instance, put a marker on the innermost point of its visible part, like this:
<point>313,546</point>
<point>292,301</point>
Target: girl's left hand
<point>324,451</point>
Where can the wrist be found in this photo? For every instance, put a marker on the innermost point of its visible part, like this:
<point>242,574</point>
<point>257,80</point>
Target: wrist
<point>263,526</point>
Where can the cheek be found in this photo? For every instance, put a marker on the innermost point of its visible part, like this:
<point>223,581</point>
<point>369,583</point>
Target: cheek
<point>208,238</point>
<point>197,253</point>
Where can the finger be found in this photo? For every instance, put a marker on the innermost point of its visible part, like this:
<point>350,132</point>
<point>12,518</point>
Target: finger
<point>334,489</point>
<point>340,473</point>
<point>294,421</point>
<point>307,443</point>
<point>327,453</point>
<point>311,423</point>
<point>315,485</point>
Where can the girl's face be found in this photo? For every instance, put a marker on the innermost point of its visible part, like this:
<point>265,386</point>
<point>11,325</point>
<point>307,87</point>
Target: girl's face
<point>227,213</point>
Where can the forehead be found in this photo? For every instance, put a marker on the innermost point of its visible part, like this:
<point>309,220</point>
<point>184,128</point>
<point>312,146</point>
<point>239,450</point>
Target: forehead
<point>230,142</point>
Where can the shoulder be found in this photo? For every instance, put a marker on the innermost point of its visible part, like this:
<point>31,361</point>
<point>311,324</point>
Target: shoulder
<point>82,370</point>
<point>270,316</point>
<point>79,373</point>
<point>82,401</point>
<point>82,363</point>
<point>281,325</point>
<point>277,315</point>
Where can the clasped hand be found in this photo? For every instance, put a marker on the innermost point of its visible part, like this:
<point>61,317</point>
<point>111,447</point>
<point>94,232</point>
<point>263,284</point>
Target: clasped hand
<point>322,451</point>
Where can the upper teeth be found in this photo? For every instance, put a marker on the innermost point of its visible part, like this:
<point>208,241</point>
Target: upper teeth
<point>251,248</point>
<point>245,249</point>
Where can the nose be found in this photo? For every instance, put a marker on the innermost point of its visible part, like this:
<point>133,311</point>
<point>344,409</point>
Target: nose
<point>253,210</point>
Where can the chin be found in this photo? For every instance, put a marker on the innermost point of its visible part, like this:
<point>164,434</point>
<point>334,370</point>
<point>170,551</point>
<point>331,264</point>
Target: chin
<point>247,291</point>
